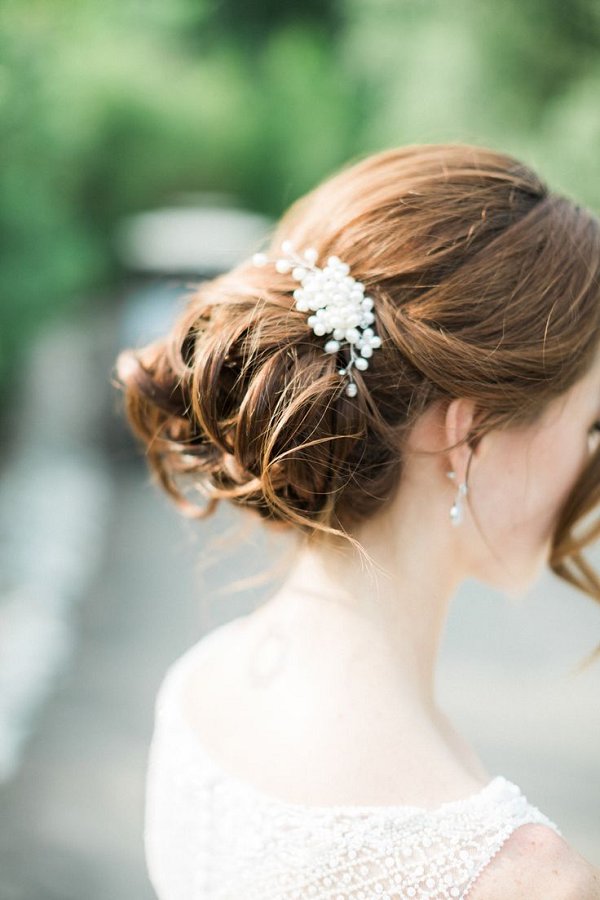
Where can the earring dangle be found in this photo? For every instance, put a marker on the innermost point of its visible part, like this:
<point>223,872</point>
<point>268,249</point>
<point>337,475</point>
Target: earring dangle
<point>456,510</point>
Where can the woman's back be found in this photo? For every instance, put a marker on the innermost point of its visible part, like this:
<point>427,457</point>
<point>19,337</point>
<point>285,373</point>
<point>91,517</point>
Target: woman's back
<point>313,722</point>
<point>217,826</point>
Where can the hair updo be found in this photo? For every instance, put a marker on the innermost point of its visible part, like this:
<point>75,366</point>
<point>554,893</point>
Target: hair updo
<point>486,285</point>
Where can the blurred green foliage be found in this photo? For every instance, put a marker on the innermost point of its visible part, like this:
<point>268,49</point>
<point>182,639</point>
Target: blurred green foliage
<point>110,107</point>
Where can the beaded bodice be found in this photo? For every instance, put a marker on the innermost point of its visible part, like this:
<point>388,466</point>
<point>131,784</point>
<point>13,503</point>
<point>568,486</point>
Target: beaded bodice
<point>211,835</point>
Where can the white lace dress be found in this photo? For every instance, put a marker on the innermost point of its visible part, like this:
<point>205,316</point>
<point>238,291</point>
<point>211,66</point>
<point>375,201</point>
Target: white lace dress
<point>211,836</point>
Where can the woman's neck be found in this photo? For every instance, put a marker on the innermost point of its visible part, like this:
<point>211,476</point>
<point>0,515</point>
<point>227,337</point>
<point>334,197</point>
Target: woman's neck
<point>385,622</point>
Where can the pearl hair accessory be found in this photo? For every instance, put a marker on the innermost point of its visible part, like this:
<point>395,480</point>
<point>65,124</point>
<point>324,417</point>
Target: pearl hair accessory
<point>336,302</point>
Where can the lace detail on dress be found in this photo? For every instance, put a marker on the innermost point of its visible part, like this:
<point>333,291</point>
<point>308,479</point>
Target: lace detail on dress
<point>211,835</point>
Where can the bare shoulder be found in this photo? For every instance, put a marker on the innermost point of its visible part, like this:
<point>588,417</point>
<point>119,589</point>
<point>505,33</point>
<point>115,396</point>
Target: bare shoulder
<point>222,643</point>
<point>535,863</point>
<point>217,663</point>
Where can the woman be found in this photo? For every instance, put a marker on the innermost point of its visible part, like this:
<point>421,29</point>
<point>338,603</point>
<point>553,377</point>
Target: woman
<point>299,751</point>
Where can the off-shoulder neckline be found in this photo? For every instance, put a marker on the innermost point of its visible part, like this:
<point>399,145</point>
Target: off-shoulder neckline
<point>496,788</point>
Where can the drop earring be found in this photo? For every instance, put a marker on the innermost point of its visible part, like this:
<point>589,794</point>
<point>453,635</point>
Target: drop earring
<point>456,510</point>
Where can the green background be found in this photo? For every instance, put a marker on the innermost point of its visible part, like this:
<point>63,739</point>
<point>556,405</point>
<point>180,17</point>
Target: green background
<point>111,107</point>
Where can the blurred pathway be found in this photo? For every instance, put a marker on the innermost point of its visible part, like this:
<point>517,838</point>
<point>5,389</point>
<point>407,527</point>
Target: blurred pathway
<point>71,823</point>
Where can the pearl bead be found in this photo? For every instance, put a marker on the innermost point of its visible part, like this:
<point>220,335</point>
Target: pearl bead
<point>336,304</point>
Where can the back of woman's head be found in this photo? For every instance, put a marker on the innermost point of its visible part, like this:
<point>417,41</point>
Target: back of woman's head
<point>486,285</point>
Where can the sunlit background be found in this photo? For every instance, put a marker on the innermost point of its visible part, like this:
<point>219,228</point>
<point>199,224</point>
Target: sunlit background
<point>149,145</point>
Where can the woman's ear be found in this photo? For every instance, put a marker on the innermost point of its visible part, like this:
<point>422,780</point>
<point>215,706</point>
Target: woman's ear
<point>458,422</point>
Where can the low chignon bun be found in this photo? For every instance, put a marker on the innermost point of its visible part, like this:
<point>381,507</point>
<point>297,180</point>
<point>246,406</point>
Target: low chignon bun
<point>485,284</point>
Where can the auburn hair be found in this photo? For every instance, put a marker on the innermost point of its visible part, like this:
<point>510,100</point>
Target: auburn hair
<point>486,285</point>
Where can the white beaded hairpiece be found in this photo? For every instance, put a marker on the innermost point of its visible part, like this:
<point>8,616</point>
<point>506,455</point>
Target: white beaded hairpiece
<point>336,301</point>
